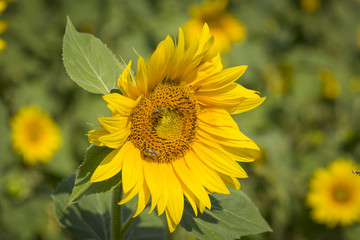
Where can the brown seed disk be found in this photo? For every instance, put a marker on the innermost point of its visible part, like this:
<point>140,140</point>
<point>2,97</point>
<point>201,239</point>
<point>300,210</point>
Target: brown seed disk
<point>164,123</point>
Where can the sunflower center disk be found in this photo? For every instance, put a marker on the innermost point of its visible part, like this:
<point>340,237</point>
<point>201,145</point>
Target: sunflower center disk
<point>341,194</point>
<point>170,125</point>
<point>163,125</point>
<point>34,131</point>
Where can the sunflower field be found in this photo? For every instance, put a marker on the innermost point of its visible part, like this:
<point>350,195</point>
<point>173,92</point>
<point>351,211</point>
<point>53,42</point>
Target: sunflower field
<point>167,119</point>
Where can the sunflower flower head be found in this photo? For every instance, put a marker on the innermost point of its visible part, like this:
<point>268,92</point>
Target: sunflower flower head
<point>171,130</point>
<point>35,135</point>
<point>334,194</point>
<point>225,27</point>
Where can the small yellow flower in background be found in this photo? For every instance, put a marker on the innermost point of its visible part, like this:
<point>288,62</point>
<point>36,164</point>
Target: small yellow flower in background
<point>330,87</point>
<point>310,6</point>
<point>334,194</point>
<point>3,5</point>
<point>2,44</point>
<point>223,25</point>
<point>35,135</point>
<point>3,26</point>
<point>172,132</point>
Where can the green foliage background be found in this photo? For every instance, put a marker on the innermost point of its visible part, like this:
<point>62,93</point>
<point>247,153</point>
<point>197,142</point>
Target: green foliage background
<point>298,128</point>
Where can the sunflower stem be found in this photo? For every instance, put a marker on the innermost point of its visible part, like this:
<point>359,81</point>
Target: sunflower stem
<point>126,226</point>
<point>116,218</point>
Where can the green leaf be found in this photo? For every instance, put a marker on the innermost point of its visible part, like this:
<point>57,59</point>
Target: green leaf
<point>89,62</point>
<point>83,186</point>
<point>88,218</point>
<point>231,217</point>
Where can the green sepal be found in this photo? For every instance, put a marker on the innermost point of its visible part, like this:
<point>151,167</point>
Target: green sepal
<point>115,90</point>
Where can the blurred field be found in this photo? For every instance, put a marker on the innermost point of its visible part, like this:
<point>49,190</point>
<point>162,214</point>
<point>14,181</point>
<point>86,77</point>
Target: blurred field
<point>304,56</point>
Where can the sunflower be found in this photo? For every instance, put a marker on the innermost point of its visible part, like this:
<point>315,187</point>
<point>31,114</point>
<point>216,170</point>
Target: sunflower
<point>225,27</point>
<point>171,130</point>
<point>334,194</point>
<point>34,135</point>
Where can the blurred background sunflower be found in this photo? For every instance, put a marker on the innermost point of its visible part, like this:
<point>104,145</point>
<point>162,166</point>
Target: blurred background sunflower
<point>225,27</point>
<point>35,135</point>
<point>334,194</point>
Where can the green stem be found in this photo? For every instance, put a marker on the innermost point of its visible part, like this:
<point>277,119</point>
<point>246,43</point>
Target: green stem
<point>116,223</point>
<point>126,226</point>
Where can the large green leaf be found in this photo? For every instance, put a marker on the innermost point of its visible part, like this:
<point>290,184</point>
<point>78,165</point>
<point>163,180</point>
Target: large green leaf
<point>89,62</point>
<point>90,216</point>
<point>231,217</point>
<point>83,186</point>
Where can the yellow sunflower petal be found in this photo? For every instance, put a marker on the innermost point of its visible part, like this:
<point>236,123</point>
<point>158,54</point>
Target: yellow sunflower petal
<point>115,139</point>
<point>214,159</point>
<point>206,70</point>
<point>201,207</point>
<point>234,97</point>
<point>109,166</point>
<point>179,51</point>
<point>144,196</point>
<point>151,174</point>
<point>171,223</point>
<point>246,105</point>
<point>141,76</point>
<point>190,197</point>
<point>217,117</point>
<point>243,151</point>
<point>119,103</point>
<point>125,84</point>
<point>208,177</point>
<point>219,123</point>
<point>132,169</point>
<point>240,141</point>
<point>164,196</point>
<point>230,181</point>
<point>206,43</point>
<point>114,123</point>
<point>190,179</point>
<point>158,63</point>
<point>133,192</point>
<point>175,204</point>
<point>184,65</point>
<point>93,136</point>
<point>222,79</point>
